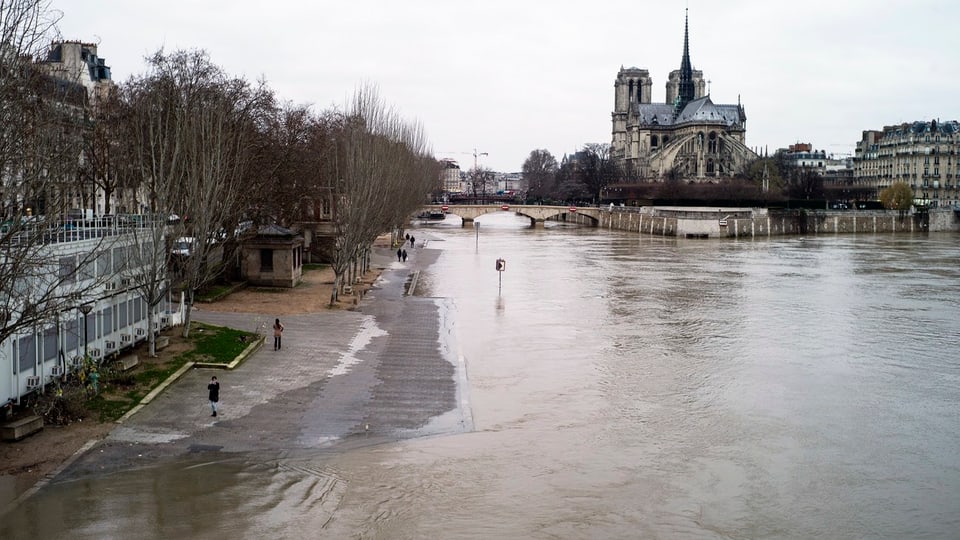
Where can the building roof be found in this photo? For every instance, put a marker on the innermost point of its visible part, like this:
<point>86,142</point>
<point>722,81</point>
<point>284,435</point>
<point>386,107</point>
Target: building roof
<point>275,230</point>
<point>919,128</point>
<point>701,111</point>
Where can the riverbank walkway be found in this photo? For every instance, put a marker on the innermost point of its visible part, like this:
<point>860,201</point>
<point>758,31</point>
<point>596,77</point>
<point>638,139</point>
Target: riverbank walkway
<point>385,372</point>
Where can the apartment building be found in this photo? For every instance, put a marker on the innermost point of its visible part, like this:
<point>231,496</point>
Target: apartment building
<point>922,154</point>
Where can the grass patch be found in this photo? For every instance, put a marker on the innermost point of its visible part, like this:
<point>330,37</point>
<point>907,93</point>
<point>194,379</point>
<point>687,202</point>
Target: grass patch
<point>108,410</point>
<point>314,266</point>
<point>216,344</point>
<point>121,391</point>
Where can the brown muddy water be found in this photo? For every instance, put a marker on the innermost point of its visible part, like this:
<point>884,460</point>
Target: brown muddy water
<point>621,386</point>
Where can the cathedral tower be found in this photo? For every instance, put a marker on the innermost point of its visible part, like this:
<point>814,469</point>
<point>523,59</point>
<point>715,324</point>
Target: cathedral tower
<point>686,92</point>
<point>687,135</point>
<point>632,86</point>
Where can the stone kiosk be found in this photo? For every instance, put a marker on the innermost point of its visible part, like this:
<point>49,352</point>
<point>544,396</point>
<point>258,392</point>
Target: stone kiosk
<point>272,258</point>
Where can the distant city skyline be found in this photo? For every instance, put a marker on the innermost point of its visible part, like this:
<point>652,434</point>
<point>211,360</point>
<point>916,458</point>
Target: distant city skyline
<point>504,78</point>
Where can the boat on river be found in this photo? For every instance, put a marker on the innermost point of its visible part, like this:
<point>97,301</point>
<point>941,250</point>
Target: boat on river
<point>431,215</point>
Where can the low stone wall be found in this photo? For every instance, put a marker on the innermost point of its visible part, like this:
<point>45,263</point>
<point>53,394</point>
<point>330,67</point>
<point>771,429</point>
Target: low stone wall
<point>736,223</point>
<point>19,429</point>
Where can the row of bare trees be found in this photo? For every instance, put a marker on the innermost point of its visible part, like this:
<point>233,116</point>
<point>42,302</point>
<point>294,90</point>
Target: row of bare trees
<point>41,127</point>
<point>585,175</point>
<point>193,152</point>
<point>581,176</point>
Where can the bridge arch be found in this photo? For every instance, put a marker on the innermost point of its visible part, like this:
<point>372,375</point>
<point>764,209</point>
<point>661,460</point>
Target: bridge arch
<point>538,214</point>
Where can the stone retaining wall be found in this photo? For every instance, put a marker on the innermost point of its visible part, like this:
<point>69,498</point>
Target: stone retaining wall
<point>734,224</point>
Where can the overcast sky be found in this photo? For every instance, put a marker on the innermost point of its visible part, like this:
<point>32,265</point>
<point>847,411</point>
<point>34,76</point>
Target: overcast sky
<point>504,77</point>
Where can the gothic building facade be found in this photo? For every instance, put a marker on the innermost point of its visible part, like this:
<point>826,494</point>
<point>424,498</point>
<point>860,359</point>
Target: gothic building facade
<point>688,135</point>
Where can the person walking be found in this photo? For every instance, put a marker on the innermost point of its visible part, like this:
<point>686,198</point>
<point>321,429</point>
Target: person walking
<point>399,254</point>
<point>404,255</point>
<point>413,241</point>
<point>213,389</point>
<point>277,334</point>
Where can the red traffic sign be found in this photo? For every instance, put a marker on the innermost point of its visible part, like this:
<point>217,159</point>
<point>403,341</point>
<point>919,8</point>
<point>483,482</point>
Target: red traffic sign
<point>444,208</point>
<point>573,208</point>
<point>505,207</point>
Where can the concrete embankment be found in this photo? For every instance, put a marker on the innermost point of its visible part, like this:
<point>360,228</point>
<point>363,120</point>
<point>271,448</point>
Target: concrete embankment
<point>762,222</point>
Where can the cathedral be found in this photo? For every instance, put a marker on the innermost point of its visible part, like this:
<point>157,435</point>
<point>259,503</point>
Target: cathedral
<point>689,135</point>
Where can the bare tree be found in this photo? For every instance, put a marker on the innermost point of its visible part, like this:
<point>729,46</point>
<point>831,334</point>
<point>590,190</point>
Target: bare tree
<point>150,144</point>
<point>103,165</point>
<point>595,168</point>
<point>381,175</point>
<point>288,166</point>
<point>42,124</point>
<point>804,183</point>
<point>187,127</point>
<point>540,173</point>
<point>481,182</point>
<point>212,129</point>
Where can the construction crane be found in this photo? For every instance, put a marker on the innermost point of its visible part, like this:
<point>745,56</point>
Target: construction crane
<point>475,155</point>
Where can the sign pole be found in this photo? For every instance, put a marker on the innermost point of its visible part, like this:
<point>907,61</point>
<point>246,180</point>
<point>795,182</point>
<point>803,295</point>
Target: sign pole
<point>501,266</point>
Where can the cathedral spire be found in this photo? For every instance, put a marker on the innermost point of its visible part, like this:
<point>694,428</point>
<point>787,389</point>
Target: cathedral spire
<point>686,91</point>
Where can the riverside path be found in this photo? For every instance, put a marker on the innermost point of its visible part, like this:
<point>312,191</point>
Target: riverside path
<point>385,372</point>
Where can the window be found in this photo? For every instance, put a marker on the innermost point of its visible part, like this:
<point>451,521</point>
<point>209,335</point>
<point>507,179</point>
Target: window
<point>49,343</point>
<point>118,262</point>
<point>68,269</point>
<point>103,263</point>
<point>71,333</point>
<point>266,260</point>
<point>107,326</point>
<point>90,327</point>
<point>123,312</point>
<point>28,353</point>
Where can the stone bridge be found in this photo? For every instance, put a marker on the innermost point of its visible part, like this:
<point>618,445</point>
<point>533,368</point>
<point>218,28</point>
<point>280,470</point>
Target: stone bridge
<point>537,214</point>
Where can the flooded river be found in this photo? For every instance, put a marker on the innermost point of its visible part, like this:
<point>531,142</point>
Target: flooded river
<point>625,386</point>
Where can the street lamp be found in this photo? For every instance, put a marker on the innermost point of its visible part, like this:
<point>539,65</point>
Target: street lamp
<point>85,309</point>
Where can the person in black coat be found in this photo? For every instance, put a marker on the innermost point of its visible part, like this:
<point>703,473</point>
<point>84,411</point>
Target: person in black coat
<point>214,391</point>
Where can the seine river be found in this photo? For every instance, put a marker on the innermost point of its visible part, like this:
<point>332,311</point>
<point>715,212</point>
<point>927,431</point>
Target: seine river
<point>628,386</point>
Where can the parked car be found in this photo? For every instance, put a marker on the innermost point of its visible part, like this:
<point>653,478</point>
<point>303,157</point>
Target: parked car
<point>183,246</point>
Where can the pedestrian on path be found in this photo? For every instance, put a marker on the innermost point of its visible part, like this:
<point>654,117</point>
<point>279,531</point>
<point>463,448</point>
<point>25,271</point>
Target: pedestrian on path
<point>213,389</point>
<point>399,254</point>
<point>413,241</point>
<point>277,334</point>
<point>404,255</point>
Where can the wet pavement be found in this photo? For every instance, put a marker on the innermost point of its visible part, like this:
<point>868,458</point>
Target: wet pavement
<point>388,371</point>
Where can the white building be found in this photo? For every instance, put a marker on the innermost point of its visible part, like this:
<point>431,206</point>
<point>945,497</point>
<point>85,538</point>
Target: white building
<point>450,176</point>
<point>94,268</point>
